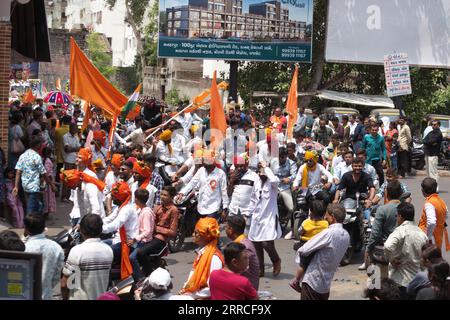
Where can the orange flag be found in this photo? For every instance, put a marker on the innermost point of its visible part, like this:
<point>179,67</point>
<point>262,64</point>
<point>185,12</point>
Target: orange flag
<point>199,101</point>
<point>89,84</point>
<point>87,115</point>
<point>292,104</point>
<point>29,98</point>
<point>217,118</point>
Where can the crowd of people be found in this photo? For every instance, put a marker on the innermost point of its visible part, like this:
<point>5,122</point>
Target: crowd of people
<point>126,185</point>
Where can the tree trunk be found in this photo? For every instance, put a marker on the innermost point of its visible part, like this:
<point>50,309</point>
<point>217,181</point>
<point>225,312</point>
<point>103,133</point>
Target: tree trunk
<point>137,33</point>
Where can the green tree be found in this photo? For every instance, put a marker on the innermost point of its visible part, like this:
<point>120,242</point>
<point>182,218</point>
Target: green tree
<point>97,52</point>
<point>430,87</point>
<point>173,97</point>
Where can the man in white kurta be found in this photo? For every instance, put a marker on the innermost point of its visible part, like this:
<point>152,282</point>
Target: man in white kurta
<point>265,227</point>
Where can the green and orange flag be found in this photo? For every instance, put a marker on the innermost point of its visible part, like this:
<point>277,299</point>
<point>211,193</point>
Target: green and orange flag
<point>131,104</point>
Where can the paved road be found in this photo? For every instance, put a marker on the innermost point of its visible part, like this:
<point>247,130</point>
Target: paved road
<point>348,281</point>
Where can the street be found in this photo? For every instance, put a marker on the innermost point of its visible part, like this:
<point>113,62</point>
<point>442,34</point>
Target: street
<point>348,283</point>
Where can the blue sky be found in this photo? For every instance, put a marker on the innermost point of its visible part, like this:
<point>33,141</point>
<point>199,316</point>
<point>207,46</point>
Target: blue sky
<point>297,14</point>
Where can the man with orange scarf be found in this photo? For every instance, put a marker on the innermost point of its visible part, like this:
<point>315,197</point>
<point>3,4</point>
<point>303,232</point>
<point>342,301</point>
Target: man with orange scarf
<point>111,178</point>
<point>84,162</point>
<point>142,177</point>
<point>209,258</point>
<point>126,222</point>
<point>311,174</point>
<point>87,194</point>
<point>98,146</point>
<point>434,215</point>
<point>164,149</point>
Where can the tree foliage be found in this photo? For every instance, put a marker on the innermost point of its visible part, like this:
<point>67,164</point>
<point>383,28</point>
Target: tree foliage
<point>430,88</point>
<point>97,52</point>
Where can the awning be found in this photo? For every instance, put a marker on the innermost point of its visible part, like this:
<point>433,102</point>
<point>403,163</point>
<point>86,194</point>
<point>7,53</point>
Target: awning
<point>359,99</point>
<point>352,98</point>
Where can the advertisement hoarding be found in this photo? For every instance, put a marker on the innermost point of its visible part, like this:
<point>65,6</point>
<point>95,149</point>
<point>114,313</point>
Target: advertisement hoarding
<point>278,30</point>
<point>364,31</point>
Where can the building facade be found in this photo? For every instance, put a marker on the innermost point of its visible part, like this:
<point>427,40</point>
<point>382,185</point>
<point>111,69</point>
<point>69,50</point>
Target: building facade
<point>96,16</point>
<point>224,19</point>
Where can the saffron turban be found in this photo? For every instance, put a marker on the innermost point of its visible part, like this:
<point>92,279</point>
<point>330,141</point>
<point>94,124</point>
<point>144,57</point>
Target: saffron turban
<point>311,155</point>
<point>85,155</point>
<point>117,160</point>
<point>71,178</point>
<point>98,164</point>
<point>140,168</point>
<point>166,135</point>
<point>208,228</point>
<point>120,191</point>
<point>131,159</point>
<point>100,135</point>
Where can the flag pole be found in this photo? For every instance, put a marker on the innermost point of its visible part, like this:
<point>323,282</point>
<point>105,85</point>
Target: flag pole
<point>165,123</point>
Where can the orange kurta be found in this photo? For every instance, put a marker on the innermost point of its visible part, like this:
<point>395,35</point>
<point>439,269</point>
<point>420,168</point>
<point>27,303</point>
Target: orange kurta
<point>441,211</point>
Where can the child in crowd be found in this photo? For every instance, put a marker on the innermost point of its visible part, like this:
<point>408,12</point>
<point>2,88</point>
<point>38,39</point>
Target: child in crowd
<point>14,203</point>
<point>309,228</point>
<point>49,195</point>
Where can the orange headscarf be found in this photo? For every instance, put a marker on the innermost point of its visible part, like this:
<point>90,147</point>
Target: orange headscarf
<point>85,155</point>
<point>209,229</point>
<point>100,135</point>
<point>121,191</point>
<point>140,168</point>
<point>117,160</point>
<point>72,178</point>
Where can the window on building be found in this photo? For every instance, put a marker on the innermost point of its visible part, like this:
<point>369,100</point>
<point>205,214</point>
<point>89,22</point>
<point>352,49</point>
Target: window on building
<point>99,17</point>
<point>177,14</point>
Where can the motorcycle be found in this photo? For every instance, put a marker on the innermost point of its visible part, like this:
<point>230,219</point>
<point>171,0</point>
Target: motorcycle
<point>67,239</point>
<point>417,155</point>
<point>444,155</point>
<point>188,217</point>
<point>355,228</point>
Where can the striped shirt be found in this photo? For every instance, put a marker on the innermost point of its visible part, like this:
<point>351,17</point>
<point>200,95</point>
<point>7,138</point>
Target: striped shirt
<point>157,181</point>
<point>88,267</point>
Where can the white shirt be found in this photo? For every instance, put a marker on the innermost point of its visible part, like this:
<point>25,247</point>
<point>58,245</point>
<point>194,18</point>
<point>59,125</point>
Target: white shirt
<point>237,137</point>
<point>370,170</point>
<point>352,127</point>
<point>163,154</point>
<point>314,177</point>
<point>101,154</point>
<point>127,217</point>
<point>179,145</point>
<point>341,169</point>
<point>216,264</point>
<point>430,211</point>
<point>110,179</point>
<point>242,192</point>
<point>263,151</point>
<point>405,244</point>
<point>264,209</point>
<point>212,190</point>
<point>151,193</point>
<point>87,200</point>
<point>427,131</point>
<point>73,142</point>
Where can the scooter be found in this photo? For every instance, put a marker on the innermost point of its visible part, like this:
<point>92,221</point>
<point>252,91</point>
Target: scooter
<point>417,155</point>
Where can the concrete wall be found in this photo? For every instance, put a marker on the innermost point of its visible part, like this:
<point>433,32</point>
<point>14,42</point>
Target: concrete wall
<point>60,53</point>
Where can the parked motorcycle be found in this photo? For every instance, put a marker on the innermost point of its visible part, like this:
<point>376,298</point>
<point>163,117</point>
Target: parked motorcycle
<point>444,155</point>
<point>188,217</point>
<point>417,155</point>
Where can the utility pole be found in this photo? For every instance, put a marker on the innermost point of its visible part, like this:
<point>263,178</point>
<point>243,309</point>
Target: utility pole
<point>233,80</point>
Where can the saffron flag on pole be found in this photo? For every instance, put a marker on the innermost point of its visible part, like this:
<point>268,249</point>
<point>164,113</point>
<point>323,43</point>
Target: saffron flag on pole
<point>131,104</point>
<point>29,98</point>
<point>199,101</point>
<point>292,104</point>
<point>217,118</point>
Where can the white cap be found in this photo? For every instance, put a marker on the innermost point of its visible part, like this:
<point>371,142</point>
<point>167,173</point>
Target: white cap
<point>159,279</point>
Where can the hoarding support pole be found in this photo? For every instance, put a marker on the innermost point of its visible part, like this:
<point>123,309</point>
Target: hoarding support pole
<point>233,80</point>
<point>398,104</point>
